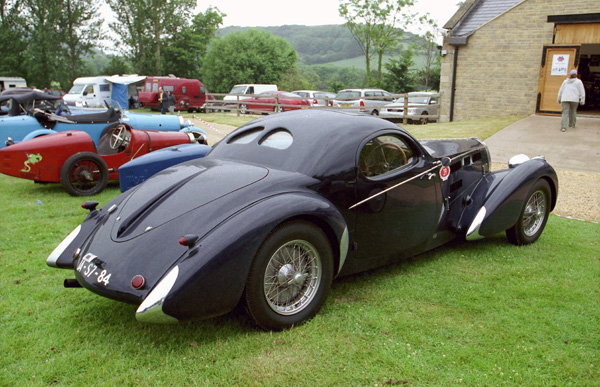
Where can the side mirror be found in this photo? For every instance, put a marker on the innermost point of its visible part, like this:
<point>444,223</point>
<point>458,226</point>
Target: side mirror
<point>445,161</point>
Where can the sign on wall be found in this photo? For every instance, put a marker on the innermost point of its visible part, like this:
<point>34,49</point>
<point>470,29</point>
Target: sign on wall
<point>560,64</point>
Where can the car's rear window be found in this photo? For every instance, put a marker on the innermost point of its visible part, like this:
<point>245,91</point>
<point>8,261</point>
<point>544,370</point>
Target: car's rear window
<point>348,94</point>
<point>279,139</point>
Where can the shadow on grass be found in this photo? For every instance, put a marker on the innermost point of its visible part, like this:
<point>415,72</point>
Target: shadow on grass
<point>104,317</point>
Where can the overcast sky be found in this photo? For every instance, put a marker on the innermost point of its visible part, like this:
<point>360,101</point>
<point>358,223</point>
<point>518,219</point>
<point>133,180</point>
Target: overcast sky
<point>255,13</point>
<point>266,13</point>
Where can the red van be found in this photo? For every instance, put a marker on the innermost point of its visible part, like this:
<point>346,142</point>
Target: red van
<point>189,93</point>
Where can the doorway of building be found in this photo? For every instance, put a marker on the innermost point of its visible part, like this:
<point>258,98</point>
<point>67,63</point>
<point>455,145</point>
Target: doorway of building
<point>575,45</point>
<point>589,72</point>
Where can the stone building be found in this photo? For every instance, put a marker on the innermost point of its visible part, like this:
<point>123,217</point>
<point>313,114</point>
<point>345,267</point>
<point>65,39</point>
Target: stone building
<point>503,57</point>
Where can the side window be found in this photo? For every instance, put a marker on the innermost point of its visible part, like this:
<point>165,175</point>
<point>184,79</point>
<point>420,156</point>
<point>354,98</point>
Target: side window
<point>202,90</point>
<point>105,87</point>
<point>155,87</point>
<point>183,89</point>
<point>250,90</point>
<point>384,154</point>
<point>168,88</point>
<point>89,89</point>
<point>148,87</point>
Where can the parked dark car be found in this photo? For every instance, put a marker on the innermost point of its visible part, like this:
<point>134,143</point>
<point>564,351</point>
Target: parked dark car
<point>286,203</point>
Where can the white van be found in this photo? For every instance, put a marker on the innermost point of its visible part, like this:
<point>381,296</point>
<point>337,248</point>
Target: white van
<point>246,90</point>
<point>88,92</point>
<point>11,83</point>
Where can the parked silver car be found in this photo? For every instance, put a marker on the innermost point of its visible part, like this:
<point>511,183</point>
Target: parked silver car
<point>421,106</point>
<point>316,98</point>
<point>365,100</point>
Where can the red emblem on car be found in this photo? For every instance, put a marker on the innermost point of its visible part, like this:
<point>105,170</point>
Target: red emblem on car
<point>445,172</point>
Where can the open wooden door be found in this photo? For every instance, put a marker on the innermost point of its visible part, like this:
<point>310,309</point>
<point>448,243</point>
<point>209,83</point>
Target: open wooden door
<point>557,62</point>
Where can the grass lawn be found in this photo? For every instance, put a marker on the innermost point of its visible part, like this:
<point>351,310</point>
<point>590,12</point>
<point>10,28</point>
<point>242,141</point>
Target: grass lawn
<point>476,314</point>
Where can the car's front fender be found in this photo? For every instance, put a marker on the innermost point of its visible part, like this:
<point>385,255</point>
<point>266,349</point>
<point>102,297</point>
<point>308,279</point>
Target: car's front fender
<point>213,275</point>
<point>496,203</point>
<point>38,133</point>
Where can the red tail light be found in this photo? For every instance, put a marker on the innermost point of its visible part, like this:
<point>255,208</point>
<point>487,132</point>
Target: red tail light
<point>138,281</point>
<point>362,105</point>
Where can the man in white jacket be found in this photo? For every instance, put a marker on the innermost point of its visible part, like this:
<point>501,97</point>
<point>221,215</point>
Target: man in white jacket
<point>571,94</point>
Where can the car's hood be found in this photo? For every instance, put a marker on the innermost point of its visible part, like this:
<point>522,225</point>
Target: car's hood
<point>179,190</point>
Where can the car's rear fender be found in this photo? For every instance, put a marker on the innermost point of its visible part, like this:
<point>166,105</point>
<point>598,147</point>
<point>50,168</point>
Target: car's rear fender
<point>212,276</point>
<point>62,257</point>
<point>496,203</point>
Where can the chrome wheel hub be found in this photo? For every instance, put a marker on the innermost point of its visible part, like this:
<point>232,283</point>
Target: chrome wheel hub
<point>292,277</point>
<point>534,214</point>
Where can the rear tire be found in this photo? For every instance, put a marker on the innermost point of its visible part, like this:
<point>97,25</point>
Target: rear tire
<point>533,217</point>
<point>290,276</point>
<point>84,174</point>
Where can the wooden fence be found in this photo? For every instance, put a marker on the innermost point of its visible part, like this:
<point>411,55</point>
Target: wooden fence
<point>402,113</point>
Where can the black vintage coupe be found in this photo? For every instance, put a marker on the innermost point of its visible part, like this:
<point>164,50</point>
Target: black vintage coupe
<point>286,203</point>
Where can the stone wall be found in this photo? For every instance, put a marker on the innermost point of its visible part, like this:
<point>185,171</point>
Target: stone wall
<point>498,71</point>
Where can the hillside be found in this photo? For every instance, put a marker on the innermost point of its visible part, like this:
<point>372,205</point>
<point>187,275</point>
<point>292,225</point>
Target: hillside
<point>328,44</point>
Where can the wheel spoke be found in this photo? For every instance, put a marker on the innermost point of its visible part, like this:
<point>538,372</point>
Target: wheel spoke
<point>292,277</point>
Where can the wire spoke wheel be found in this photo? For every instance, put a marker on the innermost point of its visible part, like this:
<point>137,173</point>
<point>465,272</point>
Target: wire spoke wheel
<point>292,277</point>
<point>84,174</point>
<point>533,217</point>
<point>534,214</point>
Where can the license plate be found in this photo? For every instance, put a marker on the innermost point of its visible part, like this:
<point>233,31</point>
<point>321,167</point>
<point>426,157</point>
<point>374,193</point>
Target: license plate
<point>345,104</point>
<point>89,269</point>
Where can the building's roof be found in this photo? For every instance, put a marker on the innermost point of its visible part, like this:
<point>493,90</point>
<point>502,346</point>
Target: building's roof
<point>475,13</point>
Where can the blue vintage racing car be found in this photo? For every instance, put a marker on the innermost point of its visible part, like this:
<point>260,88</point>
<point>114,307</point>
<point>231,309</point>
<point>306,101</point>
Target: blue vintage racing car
<point>27,115</point>
<point>286,203</point>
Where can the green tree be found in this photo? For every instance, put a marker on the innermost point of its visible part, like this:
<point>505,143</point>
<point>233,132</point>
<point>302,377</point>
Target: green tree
<point>80,30</point>
<point>373,26</point>
<point>116,65</point>
<point>145,26</point>
<point>43,52</point>
<point>12,39</point>
<point>428,46</point>
<point>399,78</point>
<point>184,52</point>
<point>252,56</point>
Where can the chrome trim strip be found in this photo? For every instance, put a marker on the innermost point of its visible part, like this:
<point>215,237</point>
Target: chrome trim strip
<point>473,232</point>
<point>436,164</point>
<point>392,187</point>
<point>150,311</point>
<point>344,247</point>
<point>53,257</point>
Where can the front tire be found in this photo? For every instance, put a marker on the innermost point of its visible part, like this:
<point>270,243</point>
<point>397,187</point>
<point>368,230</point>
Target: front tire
<point>290,276</point>
<point>533,217</point>
<point>84,174</point>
